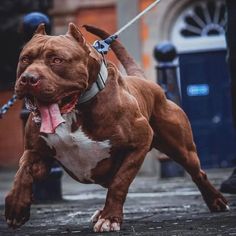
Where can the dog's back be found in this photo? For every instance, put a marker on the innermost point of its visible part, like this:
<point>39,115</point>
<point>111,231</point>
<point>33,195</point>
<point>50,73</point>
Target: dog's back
<point>145,91</point>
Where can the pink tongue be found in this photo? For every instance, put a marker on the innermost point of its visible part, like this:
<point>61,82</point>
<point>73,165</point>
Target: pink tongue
<point>50,118</point>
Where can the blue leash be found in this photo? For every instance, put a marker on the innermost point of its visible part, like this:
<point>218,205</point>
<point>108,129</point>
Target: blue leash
<point>103,46</point>
<point>6,106</point>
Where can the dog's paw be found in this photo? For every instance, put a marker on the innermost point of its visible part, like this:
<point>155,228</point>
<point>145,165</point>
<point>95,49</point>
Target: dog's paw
<point>105,225</point>
<point>219,204</point>
<point>17,212</point>
<point>102,224</point>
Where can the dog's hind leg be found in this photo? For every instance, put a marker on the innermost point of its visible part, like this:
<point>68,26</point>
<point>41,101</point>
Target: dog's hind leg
<point>173,136</point>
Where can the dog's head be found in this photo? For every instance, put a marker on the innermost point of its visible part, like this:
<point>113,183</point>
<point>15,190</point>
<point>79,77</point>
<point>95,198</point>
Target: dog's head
<point>56,69</point>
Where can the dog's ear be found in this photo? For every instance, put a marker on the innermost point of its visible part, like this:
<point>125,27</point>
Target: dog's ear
<point>41,29</point>
<point>75,33</point>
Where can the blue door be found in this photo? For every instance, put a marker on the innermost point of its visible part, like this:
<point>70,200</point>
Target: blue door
<point>205,88</point>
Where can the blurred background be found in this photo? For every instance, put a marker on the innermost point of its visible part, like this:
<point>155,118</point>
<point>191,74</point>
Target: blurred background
<point>195,28</point>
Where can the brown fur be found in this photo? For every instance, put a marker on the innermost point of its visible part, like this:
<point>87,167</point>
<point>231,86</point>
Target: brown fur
<point>132,112</point>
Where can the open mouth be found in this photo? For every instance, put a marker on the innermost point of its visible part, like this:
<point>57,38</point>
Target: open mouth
<point>66,104</point>
<point>49,115</point>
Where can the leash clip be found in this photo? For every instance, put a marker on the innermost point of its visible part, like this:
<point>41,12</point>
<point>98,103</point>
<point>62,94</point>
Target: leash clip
<point>103,46</point>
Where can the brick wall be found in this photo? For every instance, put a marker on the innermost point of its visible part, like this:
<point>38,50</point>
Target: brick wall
<point>102,17</point>
<point>11,132</point>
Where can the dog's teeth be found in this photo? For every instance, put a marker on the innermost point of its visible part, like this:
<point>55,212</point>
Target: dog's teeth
<point>36,119</point>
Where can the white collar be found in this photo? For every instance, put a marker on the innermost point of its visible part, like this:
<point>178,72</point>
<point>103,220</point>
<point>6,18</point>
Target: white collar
<point>97,86</point>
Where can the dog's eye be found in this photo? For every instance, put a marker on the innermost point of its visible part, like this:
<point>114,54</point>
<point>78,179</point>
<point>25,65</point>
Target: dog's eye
<point>57,60</point>
<point>25,60</point>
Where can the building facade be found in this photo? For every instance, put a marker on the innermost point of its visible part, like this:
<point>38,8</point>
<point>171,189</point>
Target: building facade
<point>162,23</point>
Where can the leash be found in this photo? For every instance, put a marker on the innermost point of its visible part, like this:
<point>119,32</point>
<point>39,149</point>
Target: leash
<point>103,46</point>
<point>6,106</point>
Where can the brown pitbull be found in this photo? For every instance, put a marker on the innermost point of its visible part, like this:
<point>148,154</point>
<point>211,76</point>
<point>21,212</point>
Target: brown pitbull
<point>98,123</point>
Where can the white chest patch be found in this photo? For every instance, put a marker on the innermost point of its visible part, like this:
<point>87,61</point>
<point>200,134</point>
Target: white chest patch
<point>76,151</point>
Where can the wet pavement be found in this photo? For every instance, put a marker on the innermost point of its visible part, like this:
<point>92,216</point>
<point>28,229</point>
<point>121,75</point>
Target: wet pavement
<point>153,207</point>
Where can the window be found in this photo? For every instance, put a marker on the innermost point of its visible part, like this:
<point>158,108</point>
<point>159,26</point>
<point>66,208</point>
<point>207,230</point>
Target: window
<point>200,26</point>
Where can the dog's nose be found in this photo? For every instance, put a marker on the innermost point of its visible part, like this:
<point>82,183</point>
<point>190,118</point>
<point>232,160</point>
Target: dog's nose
<point>29,79</point>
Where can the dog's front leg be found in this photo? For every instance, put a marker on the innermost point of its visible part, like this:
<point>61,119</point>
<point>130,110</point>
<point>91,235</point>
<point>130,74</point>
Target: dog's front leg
<point>110,218</point>
<point>19,199</point>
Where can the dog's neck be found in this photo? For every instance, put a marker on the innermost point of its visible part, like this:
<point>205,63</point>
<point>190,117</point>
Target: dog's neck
<point>97,86</point>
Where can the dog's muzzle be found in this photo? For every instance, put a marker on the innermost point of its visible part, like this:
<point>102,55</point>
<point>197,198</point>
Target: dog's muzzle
<point>29,79</point>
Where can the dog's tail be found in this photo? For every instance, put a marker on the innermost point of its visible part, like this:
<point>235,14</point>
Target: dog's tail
<point>131,67</point>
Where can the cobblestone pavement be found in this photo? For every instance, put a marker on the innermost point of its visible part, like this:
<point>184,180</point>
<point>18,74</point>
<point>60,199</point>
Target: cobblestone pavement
<point>153,207</point>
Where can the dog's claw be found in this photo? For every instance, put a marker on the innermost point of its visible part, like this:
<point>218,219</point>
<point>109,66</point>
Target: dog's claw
<point>98,226</point>
<point>94,218</point>
<point>227,208</point>
<point>106,226</point>
<point>14,223</point>
<point>115,227</point>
